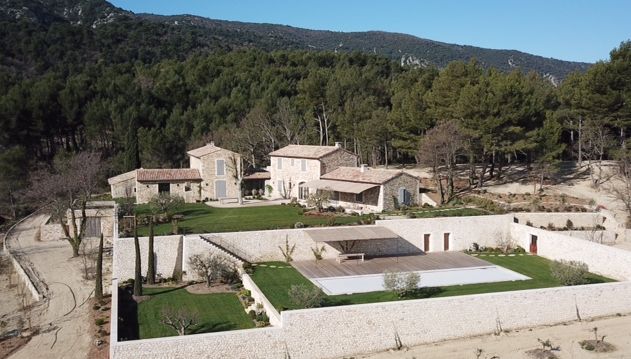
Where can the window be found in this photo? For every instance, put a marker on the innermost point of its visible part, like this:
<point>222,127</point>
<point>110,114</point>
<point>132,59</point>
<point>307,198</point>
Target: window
<point>280,187</point>
<point>359,197</point>
<point>279,163</point>
<point>303,165</point>
<point>187,186</point>
<point>292,162</point>
<point>221,168</point>
<point>303,191</point>
<point>335,196</point>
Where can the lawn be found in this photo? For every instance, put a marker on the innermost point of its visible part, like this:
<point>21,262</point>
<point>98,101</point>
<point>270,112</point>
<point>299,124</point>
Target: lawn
<point>217,312</point>
<point>200,218</point>
<point>275,283</point>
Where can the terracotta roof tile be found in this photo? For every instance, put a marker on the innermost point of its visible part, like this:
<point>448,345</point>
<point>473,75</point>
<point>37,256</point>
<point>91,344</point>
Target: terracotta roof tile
<point>354,174</point>
<point>305,151</point>
<point>168,175</point>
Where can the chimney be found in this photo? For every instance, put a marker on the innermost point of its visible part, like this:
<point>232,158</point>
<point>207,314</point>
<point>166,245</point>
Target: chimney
<point>362,168</point>
<point>338,144</point>
<point>211,143</point>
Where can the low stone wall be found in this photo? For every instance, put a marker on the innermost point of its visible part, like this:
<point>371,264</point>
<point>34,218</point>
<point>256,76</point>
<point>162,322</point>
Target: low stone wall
<point>259,297</point>
<point>356,329</point>
<point>608,261</point>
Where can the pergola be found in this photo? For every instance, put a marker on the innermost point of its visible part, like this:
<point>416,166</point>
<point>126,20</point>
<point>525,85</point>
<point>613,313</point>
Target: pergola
<point>347,237</point>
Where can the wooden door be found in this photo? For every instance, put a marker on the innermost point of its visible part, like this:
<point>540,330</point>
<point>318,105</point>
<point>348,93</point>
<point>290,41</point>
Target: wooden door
<point>533,244</point>
<point>93,227</point>
<point>446,242</point>
<point>426,242</point>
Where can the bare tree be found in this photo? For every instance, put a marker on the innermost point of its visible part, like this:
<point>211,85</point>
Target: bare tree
<point>181,319</point>
<point>440,148</point>
<point>621,187</point>
<point>210,266</point>
<point>67,187</point>
<point>166,204</point>
<point>318,200</point>
<point>596,140</point>
<point>324,124</point>
<point>235,165</point>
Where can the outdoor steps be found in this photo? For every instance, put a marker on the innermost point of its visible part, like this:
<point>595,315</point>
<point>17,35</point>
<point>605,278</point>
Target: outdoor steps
<point>213,242</point>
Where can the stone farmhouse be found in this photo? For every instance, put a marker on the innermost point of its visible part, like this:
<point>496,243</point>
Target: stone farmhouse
<point>296,171</point>
<point>294,165</point>
<point>211,176</point>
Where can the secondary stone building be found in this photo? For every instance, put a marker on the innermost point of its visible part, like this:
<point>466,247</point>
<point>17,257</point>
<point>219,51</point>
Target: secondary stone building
<point>294,165</point>
<point>363,189</point>
<point>212,175</point>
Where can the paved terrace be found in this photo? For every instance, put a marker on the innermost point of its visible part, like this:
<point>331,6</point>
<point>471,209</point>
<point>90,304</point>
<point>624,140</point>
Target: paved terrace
<point>377,265</point>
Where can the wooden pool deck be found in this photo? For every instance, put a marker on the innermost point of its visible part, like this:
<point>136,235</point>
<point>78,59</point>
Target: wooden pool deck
<point>412,263</point>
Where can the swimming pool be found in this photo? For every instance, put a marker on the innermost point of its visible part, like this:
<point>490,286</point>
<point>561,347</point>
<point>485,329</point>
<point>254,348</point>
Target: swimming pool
<point>429,278</point>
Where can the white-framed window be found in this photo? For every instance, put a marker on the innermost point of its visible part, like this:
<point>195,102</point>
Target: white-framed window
<point>303,165</point>
<point>279,163</point>
<point>220,169</point>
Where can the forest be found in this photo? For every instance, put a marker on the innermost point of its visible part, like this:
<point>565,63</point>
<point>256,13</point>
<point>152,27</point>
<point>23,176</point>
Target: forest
<point>147,106</point>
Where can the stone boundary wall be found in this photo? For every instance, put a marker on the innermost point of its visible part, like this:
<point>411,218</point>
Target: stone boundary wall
<point>604,237</point>
<point>559,219</point>
<point>114,317</point>
<point>463,231</point>
<point>601,259</point>
<point>167,250</point>
<point>259,297</point>
<point>28,281</point>
<point>355,329</point>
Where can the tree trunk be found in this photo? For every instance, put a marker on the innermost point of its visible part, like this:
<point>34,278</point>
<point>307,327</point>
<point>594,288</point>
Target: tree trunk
<point>482,173</point>
<point>151,266</point>
<point>580,142</point>
<point>98,289</point>
<point>137,274</point>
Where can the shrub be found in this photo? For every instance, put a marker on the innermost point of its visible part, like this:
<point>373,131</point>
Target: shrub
<point>519,250</point>
<point>100,321</point>
<point>411,215</point>
<point>299,225</point>
<point>550,226</point>
<point>402,284</point>
<point>475,247</point>
<point>569,224</point>
<point>569,272</point>
<point>529,224</point>
<point>305,297</point>
<point>252,314</point>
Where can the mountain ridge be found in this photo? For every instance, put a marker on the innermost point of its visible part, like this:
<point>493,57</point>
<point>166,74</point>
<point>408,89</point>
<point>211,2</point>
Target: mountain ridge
<point>404,48</point>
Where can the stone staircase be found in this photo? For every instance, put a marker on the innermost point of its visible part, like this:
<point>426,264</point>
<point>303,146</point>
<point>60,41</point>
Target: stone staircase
<point>232,253</point>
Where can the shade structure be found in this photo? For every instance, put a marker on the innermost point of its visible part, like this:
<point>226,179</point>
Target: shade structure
<point>340,186</point>
<point>363,233</point>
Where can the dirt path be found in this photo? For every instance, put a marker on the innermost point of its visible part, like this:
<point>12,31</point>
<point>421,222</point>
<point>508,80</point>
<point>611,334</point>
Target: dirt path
<point>63,315</point>
<point>514,344</point>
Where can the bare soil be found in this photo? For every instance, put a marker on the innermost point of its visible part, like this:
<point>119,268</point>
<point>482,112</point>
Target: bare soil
<point>516,344</point>
<point>202,288</point>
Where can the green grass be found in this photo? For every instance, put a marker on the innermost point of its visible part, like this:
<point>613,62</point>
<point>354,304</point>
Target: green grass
<point>458,212</point>
<point>217,311</point>
<point>200,218</point>
<point>275,283</point>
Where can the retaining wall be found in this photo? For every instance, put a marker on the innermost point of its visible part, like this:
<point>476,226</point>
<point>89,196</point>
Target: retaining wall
<point>463,231</point>
<point>559,219</point>
<point>356,329</point>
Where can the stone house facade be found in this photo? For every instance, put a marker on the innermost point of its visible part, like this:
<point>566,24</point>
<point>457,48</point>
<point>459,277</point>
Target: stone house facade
<point>294,165</point>
<point>362,189</point>
<point>211,175</point>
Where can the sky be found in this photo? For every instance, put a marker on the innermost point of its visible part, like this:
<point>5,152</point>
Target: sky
<point>575,30</point>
